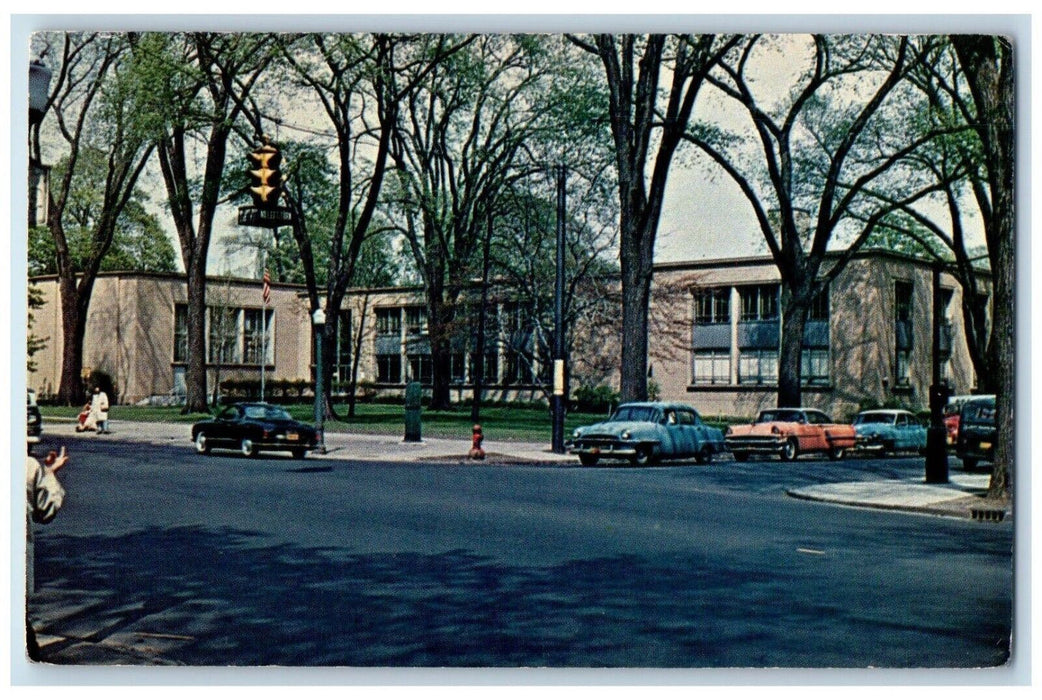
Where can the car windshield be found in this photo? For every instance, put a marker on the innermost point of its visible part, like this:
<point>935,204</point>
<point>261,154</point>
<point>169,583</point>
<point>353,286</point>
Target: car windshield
<point>636,413</point>
<point>779,417</point>
<point>981,412</point>
<point>866,418</point>
<point>266,413</point>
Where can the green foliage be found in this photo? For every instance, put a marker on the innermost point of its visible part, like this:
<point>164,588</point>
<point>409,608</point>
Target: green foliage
<point>595,399</point>
<point>138,242</point>
<point>34,343</point>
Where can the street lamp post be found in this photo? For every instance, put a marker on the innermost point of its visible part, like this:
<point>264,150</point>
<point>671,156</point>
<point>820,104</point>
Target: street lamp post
<point>319,320</point>
<point>936,445</point>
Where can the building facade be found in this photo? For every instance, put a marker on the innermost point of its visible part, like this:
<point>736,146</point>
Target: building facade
<point>714,339</point>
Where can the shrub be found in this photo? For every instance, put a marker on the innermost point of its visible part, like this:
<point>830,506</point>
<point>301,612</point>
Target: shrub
<point>595,399</point>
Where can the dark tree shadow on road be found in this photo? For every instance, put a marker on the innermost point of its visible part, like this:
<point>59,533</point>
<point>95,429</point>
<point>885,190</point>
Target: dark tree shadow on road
<point>200,596</point>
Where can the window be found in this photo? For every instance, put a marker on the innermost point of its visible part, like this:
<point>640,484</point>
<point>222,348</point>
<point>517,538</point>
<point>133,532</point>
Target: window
<point>713,306</point>
<point>389,369</point>
<point>491,368</point>
<point>903,333</point>
<point>712,367</point>
<point>224,335</point>
<point>758,367</point>
<point>457,368</point>
<point>903,367</point>
<point>257,336</point>
<point>180,333</point>
<point>759,303</point>
<point>814,366</point>
<point>903,301</point>
<point>342,368</point>
<point>519,369</point>
<point>421,369</point>
<point>819,308</point>
<point>415,319</point>
<point>388,321</point>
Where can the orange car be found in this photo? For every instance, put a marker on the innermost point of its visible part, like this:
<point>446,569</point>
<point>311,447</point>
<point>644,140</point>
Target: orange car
<point>788,433</point>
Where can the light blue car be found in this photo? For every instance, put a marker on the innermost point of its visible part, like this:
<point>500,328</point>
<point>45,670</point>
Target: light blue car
<point>645,433</point>
<point>889,430</point>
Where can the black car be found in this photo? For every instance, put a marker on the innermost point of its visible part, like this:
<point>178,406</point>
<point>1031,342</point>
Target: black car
<point>977,432</point>
<point>33,419</point>
<point>252,427</point>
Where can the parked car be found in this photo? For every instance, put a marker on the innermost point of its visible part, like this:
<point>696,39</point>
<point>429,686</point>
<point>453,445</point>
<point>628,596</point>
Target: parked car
<point>788,433</point>
<point>977,432</point>
<point>889,430</point>
<point>645,433</point>
<point>952,410</point>
<point>253,427</point>
<point>33,419</point>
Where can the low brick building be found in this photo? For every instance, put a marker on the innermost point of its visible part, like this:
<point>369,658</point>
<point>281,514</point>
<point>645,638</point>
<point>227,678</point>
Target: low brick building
<point>714,337</point>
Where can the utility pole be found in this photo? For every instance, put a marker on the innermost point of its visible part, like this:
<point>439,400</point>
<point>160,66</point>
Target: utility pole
<point>557,401</point>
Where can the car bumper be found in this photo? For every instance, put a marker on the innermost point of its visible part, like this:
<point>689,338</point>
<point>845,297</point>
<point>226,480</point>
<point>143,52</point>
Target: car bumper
<point>602,449</point>
<point>765,445</point>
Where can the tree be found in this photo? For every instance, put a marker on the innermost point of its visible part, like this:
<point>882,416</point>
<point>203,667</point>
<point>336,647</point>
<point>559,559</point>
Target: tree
<point>199,84</point>
<point>96,110</point>
<point>987,63</point>
<point>458,135</point>
<point>138,241</point>
<point>835,159</point>
<point>647,129</point>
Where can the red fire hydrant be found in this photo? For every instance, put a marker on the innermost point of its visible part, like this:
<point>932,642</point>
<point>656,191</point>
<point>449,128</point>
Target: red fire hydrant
<point>475,450</point>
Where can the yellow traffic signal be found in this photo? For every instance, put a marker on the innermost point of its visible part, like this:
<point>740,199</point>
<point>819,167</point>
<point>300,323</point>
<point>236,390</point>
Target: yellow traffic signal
<point>265,178</point>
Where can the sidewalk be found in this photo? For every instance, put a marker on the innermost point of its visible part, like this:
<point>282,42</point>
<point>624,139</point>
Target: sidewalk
<point>961,497</point>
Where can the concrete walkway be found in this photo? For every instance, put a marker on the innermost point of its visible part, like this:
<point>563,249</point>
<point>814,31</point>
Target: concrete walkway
<point>960,497</point>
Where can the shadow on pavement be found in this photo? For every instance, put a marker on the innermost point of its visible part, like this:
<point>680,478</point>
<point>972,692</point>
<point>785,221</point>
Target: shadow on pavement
<point>201,596</point>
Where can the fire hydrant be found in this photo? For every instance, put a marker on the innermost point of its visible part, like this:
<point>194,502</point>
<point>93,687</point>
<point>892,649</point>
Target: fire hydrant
<point>475,450</point>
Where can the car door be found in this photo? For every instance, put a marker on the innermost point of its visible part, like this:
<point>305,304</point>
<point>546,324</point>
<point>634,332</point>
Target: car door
<point>689,441</point>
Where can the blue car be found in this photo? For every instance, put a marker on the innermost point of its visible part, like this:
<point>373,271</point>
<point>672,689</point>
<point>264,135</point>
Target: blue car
<point>645,433</point>
<point>889,430</point>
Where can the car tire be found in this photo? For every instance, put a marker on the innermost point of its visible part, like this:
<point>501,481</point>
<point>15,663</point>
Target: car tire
<point>740,456</point>
<point>969,463</point>
<point>247,448</point>
<point>705,456</point>
<point>642,457</point>
<point>202,445</point>
<point>888,449</point>
<point>791,450</point>
<point>299,453</point>
<point>588,460</point>
<point>836,453</point>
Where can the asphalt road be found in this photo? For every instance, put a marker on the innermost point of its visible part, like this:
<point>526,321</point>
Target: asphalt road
<point>224,560</point>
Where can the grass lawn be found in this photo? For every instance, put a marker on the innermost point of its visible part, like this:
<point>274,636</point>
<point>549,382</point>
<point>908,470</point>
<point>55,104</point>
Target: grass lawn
<point>523,423</point>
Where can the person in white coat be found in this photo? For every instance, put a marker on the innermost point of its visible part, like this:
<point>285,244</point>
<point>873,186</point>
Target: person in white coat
<point>44,496</point>
<point>99,410</point>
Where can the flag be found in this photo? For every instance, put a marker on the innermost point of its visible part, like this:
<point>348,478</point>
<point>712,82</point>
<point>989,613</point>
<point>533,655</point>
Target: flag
<point>267,287</point>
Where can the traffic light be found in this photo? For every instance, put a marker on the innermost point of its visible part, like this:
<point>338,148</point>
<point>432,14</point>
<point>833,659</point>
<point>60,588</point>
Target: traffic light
<point>265,178</point>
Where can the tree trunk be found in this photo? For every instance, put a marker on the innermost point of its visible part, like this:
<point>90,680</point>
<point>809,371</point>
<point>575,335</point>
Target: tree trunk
<point>71,391</point>
<point>636,266</point>
<point>439,326</point>
<point>794,321</point>
<point>195,373</point>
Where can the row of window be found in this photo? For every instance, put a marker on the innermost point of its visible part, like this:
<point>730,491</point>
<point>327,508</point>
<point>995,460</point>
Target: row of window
<point>517,369</point>
<point>759,302</point>
<point>234,335</point>
<point>390,320</point>
<point>757,367</point>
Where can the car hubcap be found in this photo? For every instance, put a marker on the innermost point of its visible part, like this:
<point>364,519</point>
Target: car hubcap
<point>200,443</point>
<point>247,448</point>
